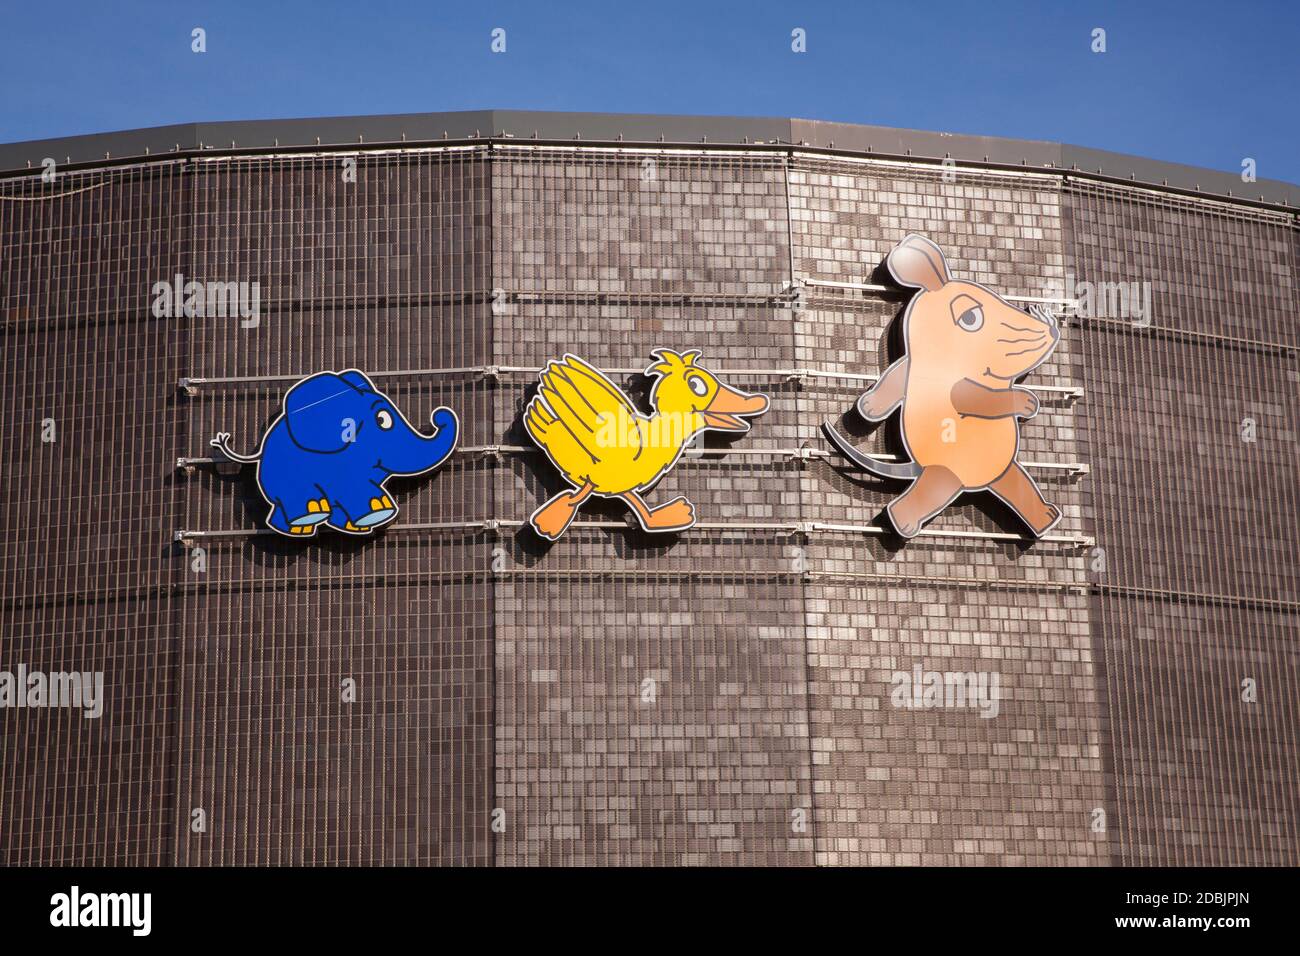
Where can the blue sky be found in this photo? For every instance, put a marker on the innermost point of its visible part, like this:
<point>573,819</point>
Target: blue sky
<point>1201,83</point>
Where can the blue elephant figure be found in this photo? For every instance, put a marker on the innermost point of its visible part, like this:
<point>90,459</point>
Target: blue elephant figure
<point>327,457</point>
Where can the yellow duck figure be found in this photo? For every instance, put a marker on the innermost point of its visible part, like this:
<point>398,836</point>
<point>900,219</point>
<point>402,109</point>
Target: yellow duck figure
<point>604,446</point>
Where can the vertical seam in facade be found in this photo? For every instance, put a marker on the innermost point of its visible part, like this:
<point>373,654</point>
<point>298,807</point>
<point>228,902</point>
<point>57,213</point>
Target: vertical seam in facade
<point>488,161</point>
<point>801,467</point>
<point>184,220</point>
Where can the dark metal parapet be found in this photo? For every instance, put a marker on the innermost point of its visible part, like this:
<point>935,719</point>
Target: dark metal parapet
<point>629,128</point>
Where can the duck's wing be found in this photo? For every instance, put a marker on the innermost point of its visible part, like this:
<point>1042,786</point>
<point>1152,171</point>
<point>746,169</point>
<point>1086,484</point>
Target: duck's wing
<point>574,402</point>
<point>602,393</point>
<point>569,453</point>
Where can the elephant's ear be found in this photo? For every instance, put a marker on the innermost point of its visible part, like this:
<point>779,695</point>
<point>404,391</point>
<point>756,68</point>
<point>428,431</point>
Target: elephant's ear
<point>358,378</point>
<point>321,413</point>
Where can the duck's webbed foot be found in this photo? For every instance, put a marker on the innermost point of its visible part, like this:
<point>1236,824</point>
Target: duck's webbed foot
<point>552,518</point>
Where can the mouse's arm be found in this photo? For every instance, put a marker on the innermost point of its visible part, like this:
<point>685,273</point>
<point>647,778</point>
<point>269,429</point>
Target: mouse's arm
<point>886,395</point>
<point>979,401</point>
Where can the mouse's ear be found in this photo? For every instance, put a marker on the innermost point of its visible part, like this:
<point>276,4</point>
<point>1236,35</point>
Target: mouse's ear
<point>916,261</point>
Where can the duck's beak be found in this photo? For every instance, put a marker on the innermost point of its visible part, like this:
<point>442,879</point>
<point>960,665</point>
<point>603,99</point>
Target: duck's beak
<point>722,413</point>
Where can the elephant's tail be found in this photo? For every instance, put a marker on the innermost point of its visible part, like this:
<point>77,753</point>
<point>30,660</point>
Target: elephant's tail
<point>222,443</point>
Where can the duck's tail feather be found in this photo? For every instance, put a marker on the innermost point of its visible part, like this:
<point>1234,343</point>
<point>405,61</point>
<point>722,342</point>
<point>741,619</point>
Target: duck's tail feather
<point>538,420</point>
<point>885,469</point>
<point>222,444</point>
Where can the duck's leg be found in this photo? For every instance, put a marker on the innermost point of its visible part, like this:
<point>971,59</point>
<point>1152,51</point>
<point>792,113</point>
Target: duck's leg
<point>675,515</point>
<point>552,518</point>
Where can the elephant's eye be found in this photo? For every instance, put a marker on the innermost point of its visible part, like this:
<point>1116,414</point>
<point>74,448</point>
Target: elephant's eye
<point>384,419</point>
<point>698,385</point>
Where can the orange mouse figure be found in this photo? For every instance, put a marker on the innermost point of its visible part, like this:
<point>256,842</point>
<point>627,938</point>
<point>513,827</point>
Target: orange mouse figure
<point>964,348</point>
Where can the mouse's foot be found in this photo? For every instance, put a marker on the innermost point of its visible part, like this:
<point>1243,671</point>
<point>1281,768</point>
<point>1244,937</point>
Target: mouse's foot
<point>1042,519</point>
<point>1018,490</point>
<point>908,527</point>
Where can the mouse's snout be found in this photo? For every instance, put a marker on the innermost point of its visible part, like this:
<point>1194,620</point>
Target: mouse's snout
<point>1045,315</point>
<point>1023,339</point>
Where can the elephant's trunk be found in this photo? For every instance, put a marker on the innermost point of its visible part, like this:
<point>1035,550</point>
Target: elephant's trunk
<point>415,453</point>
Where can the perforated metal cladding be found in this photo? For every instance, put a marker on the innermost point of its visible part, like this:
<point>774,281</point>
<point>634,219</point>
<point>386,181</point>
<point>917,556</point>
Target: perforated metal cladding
<point>651,704</point>
<point>85,447</point>
<point>940,786</point>
<point>719,696</point>
<point>387,273</point>
<point>1199,526</point>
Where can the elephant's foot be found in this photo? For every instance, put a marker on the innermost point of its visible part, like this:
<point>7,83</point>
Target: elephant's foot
<point>317,511</point>
<point>381,509</point>
<point>351,515</point>
<point>340,523</point>
<point>307,530</point>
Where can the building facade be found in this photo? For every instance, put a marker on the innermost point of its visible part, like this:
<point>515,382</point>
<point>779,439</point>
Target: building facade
<point>456,690</point>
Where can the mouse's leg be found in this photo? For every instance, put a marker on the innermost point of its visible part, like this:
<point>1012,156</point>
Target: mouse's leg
<point>928,495</point>
<point>1018,490</point>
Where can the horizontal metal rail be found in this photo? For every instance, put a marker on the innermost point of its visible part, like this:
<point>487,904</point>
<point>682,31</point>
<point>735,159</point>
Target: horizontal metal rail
<point>191,385</point>
<point>50,197</point>
<point>1196,597</point>
<point>1077,541</point>
<point>875,287</point>
<point>194,584</point>
<point>498,142</point>
<point>1075,468</point>
<point>803,529</point>
<point>1190,335</point>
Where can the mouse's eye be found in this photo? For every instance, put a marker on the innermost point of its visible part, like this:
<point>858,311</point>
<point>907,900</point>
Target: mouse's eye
<point>971,319</point>
<point>967,313</point>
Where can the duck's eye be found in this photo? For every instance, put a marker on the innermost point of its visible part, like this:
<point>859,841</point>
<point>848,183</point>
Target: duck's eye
<point>698,385</point>
<point>384,419</point>
<point>971,319</point>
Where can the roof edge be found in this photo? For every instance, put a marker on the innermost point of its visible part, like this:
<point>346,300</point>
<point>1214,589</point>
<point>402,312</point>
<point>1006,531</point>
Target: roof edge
<point>632,128</point>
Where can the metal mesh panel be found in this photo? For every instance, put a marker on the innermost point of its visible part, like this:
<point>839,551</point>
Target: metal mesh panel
<point>656,719</point>
<point>718,696</point>
<point>84,459</point>
<point>387,273</point>
<point>651,704</point>
<point>941,786</point>
<point>1198,526</point>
